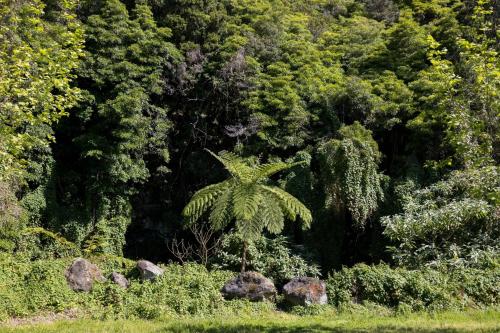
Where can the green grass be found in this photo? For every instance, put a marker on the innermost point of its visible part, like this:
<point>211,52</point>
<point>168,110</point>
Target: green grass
<point>447,322</point>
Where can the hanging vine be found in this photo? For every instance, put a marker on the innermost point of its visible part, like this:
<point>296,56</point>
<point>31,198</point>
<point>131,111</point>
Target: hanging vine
<point>349,168</point>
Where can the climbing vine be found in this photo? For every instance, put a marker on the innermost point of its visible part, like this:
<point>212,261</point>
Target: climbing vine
<point>349,167</point>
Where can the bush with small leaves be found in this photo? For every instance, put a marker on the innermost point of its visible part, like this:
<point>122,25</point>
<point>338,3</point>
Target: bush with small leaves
<point>271,257</point>
<point>425,289</point>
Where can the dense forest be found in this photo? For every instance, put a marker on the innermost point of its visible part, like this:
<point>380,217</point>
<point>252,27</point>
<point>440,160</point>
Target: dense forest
<point>380,117</point>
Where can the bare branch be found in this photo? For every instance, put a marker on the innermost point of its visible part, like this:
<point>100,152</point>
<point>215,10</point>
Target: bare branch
<point>180,249</point>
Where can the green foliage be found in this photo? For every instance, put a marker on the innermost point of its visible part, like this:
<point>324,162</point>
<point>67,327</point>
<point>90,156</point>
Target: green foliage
<point>181,290</point>
<point>148,85</point>
<point>37,242</point>
<point>271,257</point>
<point>37,59</point>
<point>407,44</point>
<point>38,56</point>
<point>414,290</point>
<point>120,127</point>
<point>246,198</point>
<point>452,222</point>
<point>461,101</point>
<point>29,288</point>
<point>350,173</point>
<point>10,214</point>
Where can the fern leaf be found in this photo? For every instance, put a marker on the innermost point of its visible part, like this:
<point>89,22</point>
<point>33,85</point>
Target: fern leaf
<point>246,201</point>
<point>249,229</point>
<point>220,216</point>
<point>203,199</point>
<point>271,215</point>
<point>234,164</point>
<point>264,171</point>
<point>292,205</point>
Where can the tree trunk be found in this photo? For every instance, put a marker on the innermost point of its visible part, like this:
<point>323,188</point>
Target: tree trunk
<point>244,256</point>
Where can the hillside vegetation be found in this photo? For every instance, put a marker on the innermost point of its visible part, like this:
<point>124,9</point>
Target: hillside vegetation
<point>354,141</point>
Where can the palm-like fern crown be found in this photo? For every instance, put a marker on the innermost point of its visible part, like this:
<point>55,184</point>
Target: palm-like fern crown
<point>246,198</point>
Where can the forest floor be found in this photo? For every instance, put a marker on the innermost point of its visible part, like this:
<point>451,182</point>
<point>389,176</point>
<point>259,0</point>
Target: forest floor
<point>446,322</point>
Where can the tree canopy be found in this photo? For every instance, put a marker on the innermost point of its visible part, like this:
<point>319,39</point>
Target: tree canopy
<point>373,112</point>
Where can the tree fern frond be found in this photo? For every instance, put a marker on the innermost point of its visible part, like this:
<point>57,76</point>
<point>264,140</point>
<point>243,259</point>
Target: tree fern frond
<point>291,204</point>
<point>271,214</point>
<point>266,170</point>
<point>249,229</point>
<point>203,199</point>
<point>246,201</point>
<point>234,164</point>
<point>220,216</point>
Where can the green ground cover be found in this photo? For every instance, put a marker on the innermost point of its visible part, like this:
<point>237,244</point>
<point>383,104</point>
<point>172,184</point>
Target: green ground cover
<point>277,322</point>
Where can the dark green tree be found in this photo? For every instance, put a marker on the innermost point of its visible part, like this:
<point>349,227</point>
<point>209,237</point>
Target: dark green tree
<point>119,131</point>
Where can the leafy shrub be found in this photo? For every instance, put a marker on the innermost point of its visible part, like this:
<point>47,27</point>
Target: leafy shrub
<point>188,289</point>
<point>478,285</point>
<point>405,290</point>
<point>32,287</point>
<point>454,222</point>
<point>271,257</point>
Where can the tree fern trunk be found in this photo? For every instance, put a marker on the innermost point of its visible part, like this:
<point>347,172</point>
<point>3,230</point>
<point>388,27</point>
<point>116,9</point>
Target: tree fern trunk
<point>244,256</point>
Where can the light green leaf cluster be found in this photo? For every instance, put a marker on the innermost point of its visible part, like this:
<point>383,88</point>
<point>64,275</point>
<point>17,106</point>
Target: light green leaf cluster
<point>37,60</point>
<point>451,221</point>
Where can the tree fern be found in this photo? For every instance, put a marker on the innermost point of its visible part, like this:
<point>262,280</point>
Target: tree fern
<point>246,199</point>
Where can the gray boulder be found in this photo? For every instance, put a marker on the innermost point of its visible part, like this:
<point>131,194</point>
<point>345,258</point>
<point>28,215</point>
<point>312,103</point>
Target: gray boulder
<point>250,285</point>
<point>305,291</point>
<point>148,270</point>
<point>81,275</point>
<point>120,280</point>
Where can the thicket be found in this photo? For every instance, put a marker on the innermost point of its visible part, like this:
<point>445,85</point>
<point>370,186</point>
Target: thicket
<point>414,290</point>
<point>453,222</point>
<point>270,256</point>
<point>34,287</point>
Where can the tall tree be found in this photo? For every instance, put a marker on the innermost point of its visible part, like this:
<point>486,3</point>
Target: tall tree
<point>40,47</point>
<point>119,131</point>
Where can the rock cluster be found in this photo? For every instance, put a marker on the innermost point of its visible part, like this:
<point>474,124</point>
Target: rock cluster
<point>254,286</point>
<point>82,274</point>
<point>305,291</point>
